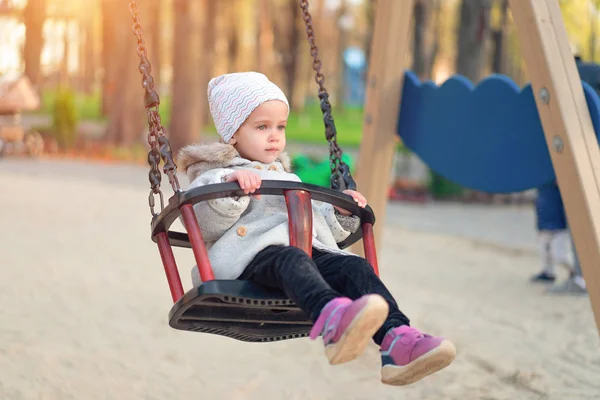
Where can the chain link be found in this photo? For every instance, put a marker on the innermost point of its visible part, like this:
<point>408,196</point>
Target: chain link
<point>340,172</point>
<point>157,139</point>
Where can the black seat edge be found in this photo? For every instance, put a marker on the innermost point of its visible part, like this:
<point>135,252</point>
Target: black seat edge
<point>241,310</point>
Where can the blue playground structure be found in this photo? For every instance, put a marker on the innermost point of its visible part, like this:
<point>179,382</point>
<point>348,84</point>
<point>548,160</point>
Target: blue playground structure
<point>487,137</point>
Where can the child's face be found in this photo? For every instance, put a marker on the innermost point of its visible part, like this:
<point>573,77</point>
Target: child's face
<point>262,136</point>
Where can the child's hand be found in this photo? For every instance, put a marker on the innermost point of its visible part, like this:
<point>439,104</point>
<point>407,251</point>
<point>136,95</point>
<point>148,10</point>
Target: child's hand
<point>358,198</point>
<point>249,181</point>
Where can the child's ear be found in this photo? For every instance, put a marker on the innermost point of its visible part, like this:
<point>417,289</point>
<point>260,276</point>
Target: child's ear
<point>232,141</point>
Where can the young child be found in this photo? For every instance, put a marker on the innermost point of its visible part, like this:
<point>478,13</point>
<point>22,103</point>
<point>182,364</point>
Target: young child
<point>556,242</point>
<point>553,233</point>
<point>247,237</point>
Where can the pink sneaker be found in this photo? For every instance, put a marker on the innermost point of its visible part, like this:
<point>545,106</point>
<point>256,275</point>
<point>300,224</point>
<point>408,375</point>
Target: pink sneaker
<point>347,326</point>
<point>408,355</point>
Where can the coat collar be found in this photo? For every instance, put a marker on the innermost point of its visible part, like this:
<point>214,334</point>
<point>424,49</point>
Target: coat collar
<point>198,158</point>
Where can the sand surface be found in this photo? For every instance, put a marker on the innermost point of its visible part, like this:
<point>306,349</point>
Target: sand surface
<point>84,305</point>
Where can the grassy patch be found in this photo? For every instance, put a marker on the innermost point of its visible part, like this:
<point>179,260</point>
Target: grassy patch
<point>308,127</point>
<point>87,106</point>
<point>304,127</point>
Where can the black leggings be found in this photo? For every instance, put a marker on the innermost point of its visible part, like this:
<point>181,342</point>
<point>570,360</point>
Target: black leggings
<point>312,283</point>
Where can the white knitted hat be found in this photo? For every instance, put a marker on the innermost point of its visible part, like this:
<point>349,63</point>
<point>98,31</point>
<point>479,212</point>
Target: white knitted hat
<point>233,97</point>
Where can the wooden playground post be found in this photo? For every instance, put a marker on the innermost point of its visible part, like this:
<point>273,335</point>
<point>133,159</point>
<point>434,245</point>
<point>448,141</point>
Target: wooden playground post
<point>559,97</point>
<point>384,90</point>
<point>568,128</point>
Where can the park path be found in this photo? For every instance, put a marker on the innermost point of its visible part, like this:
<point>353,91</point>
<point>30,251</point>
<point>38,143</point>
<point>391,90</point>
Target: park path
<point>85,303</point>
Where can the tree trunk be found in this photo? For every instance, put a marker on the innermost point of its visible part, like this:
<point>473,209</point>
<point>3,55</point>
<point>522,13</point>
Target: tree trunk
<point>287,44</point>
<point>127,116</point>
<point>208,56</point>
<point>233,44</point>
<point>473,31</point>
<point>64,78</point>
<point>340,47</point>
<point>154,29</point>
<point>88,70</point>
<point>425,38</point>
<point>222,40</point>
<point>246,29</point>
<point>264,50</point>
<point>187,102</point>
<point>291,58</point>
<point>110,50</point>
<point>34,15</point>
<point>499,41</point>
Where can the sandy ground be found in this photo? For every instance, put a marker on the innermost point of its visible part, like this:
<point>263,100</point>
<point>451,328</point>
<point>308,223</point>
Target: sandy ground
<point>84,305</point>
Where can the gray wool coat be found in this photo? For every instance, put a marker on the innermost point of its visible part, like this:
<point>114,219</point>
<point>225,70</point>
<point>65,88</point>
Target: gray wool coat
<point>236,229</point>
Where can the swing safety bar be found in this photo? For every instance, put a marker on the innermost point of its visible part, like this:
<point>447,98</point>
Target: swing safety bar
<point>298,198</point>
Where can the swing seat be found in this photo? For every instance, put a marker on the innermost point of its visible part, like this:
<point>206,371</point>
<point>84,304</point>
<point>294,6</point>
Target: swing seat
<point>239,309</point>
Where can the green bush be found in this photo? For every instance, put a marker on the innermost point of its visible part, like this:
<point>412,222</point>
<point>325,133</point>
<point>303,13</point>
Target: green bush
<point>64,117</point>
<point>442,188</point>
<point>317,171</point>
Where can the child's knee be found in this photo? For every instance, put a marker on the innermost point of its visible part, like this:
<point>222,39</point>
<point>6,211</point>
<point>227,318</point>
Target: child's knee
<point>293,257</point>
<point>295,252</point>
<point>359,267</point>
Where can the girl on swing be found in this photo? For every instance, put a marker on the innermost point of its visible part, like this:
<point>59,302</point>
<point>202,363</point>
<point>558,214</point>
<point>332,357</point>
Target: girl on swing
<point>247,237</point>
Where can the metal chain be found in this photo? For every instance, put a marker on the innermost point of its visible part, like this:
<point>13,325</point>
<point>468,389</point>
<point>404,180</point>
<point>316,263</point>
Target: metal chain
<point>340,172</point>
<point>157,139</point>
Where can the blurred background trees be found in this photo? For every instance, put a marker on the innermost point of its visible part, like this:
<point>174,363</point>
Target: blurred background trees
<point>88,47</point>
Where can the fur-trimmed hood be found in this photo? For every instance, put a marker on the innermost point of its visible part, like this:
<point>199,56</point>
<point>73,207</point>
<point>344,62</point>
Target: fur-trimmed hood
<point>198,158</point>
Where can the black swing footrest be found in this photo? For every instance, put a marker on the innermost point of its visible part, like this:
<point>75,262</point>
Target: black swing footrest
<point>240,310</point>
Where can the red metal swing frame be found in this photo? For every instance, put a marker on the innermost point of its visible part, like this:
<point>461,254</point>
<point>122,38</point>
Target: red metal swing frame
<point>298,198</point>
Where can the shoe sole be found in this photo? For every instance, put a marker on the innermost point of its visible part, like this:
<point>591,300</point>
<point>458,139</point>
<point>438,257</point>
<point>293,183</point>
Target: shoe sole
<point>362,328</point>
<point>433,361</point>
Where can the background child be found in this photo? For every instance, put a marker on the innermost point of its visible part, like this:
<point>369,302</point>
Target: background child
<point>556,242</point>
<point>248,237</point>
<point>553,235</point>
